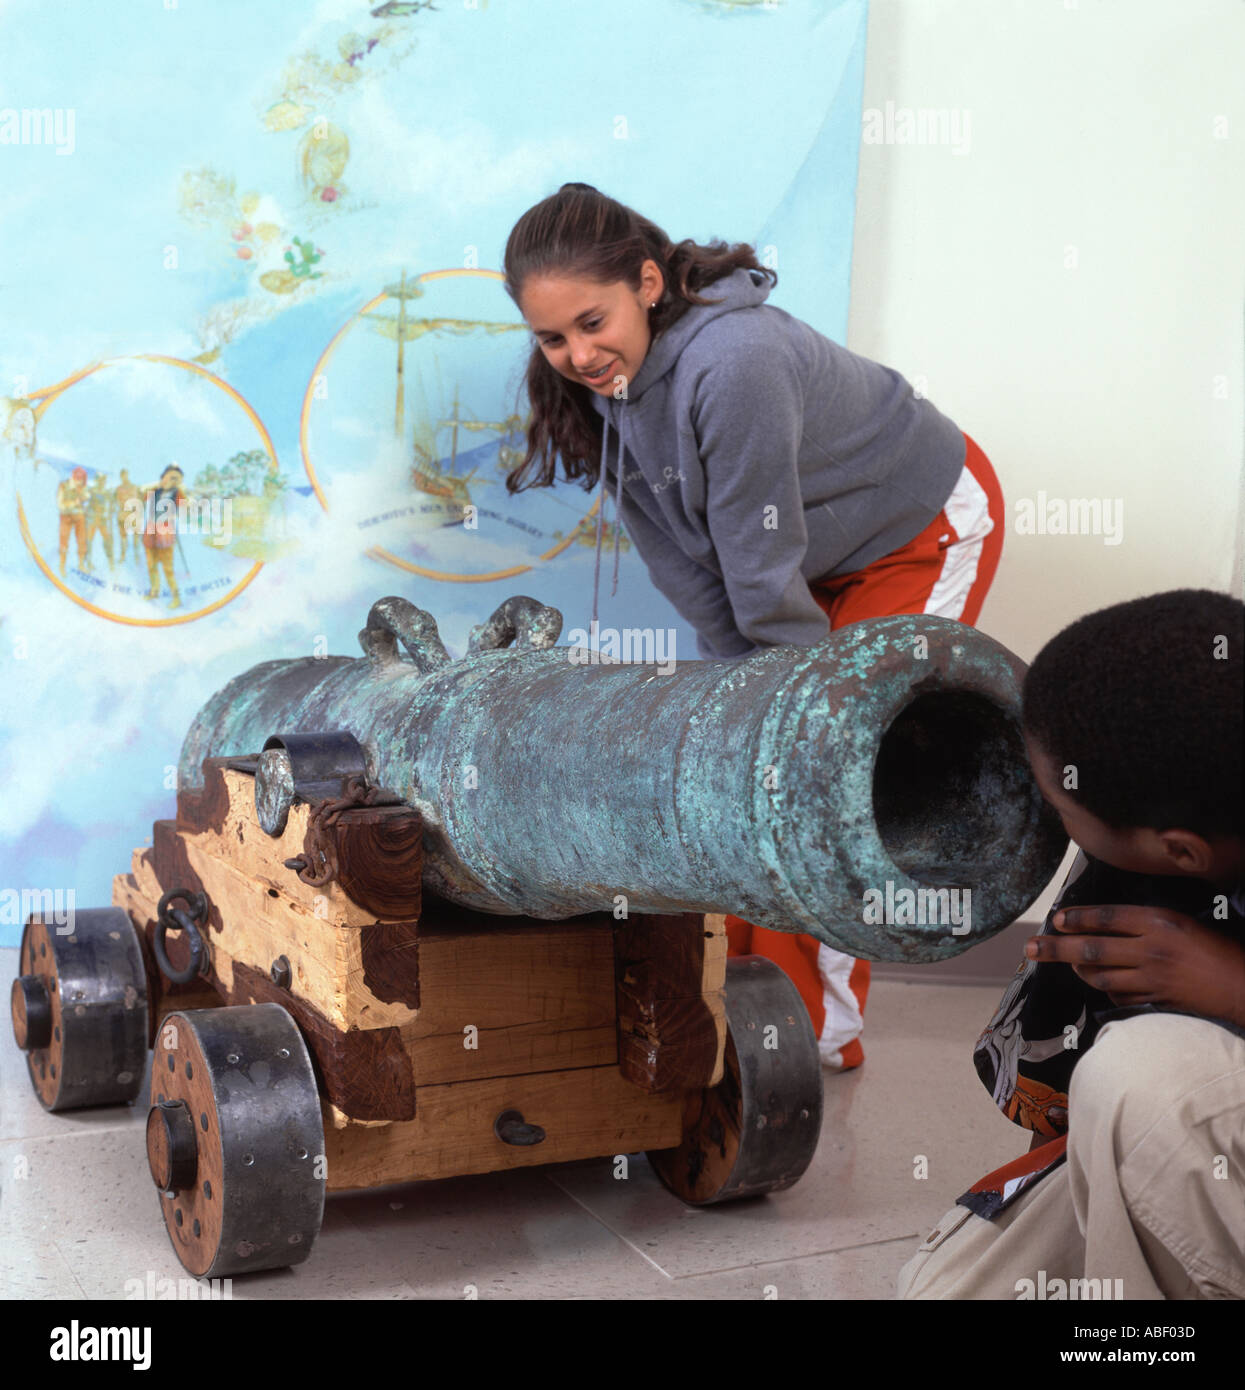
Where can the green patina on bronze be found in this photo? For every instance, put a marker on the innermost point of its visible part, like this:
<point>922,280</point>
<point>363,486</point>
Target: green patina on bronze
<point>829,789</point>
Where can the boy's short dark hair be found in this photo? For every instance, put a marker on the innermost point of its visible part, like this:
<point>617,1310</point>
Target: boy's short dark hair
<point>1144,699</point>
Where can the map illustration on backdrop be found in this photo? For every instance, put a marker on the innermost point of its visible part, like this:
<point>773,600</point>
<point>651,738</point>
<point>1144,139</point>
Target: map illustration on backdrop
<point>397,433</point>
<point>258,368</point>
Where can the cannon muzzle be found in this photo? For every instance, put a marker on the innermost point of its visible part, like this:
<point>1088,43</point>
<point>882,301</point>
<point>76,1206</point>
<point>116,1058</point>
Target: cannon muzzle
<point>872,790</point>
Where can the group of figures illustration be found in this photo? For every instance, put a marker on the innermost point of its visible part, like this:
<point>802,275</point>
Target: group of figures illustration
<point>144,523</point>
<point>149,514</point>
<point>409,424</point>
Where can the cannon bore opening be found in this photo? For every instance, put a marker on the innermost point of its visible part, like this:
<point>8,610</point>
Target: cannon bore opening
<point>953,797</point>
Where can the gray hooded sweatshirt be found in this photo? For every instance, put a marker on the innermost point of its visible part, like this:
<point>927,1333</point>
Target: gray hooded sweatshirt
<point>759,455</point>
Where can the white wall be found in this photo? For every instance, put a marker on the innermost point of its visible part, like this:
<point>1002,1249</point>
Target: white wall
<point>1091,126</point>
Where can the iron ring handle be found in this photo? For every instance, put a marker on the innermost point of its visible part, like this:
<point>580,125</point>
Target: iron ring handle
<point>174,918</point>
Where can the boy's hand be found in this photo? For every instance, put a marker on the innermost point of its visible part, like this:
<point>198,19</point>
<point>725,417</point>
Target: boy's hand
<point>1149,955</point>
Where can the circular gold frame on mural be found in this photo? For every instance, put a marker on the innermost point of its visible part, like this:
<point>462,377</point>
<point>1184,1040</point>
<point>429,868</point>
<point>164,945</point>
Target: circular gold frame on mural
<point>376,551</point>
<point>52,393</point>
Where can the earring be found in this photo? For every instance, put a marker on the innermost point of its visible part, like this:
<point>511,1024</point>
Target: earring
<point>653,305</point>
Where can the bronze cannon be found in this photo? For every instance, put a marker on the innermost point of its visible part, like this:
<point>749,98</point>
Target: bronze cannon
<point>871,790</point>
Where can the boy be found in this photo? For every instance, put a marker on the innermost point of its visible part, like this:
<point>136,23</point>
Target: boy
<point>1121,1041</point>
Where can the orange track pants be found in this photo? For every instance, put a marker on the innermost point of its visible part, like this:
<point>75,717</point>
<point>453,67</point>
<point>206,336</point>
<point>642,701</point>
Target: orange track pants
<point>946,570</point>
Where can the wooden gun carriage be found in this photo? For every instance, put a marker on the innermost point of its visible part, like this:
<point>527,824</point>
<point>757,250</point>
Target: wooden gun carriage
<point>359,1032</point>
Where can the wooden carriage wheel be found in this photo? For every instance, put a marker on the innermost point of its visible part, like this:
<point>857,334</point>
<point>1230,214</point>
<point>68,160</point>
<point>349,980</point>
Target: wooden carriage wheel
<point>756,1131</point>
<point>235,1140</point>
<point>79,1009</point>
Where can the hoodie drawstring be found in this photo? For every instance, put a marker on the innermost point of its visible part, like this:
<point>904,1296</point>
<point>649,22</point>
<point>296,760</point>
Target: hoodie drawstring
<point>596,574</point>
<point>596,577</point>
<point>622,446</point>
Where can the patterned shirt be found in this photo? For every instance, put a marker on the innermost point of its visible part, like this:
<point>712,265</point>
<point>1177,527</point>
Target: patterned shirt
<point>1049,1016</point>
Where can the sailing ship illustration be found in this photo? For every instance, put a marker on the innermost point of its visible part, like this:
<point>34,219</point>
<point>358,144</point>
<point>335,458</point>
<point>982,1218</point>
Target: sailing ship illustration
<point>437,471</point>
<point>442,470</point>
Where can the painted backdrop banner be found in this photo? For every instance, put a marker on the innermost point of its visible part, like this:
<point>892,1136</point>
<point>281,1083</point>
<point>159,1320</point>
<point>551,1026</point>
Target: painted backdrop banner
<point>260,244</point>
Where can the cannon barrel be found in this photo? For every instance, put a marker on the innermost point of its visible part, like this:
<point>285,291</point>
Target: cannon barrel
<point>836,790</point>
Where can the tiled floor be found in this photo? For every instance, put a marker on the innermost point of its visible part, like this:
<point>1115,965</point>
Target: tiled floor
<point>78,1214</point>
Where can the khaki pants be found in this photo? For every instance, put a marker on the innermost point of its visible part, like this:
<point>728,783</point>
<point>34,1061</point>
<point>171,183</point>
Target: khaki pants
<point>1152,1194</point>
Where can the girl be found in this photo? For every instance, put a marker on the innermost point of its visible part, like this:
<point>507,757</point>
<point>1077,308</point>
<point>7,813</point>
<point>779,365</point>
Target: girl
<point>775,484</point>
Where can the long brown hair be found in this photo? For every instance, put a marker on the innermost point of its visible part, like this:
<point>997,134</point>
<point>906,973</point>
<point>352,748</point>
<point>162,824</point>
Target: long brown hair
<point>580,232</point>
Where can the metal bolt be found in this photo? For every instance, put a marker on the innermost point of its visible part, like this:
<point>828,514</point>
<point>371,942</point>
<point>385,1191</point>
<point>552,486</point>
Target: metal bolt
<point>281,973</point>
